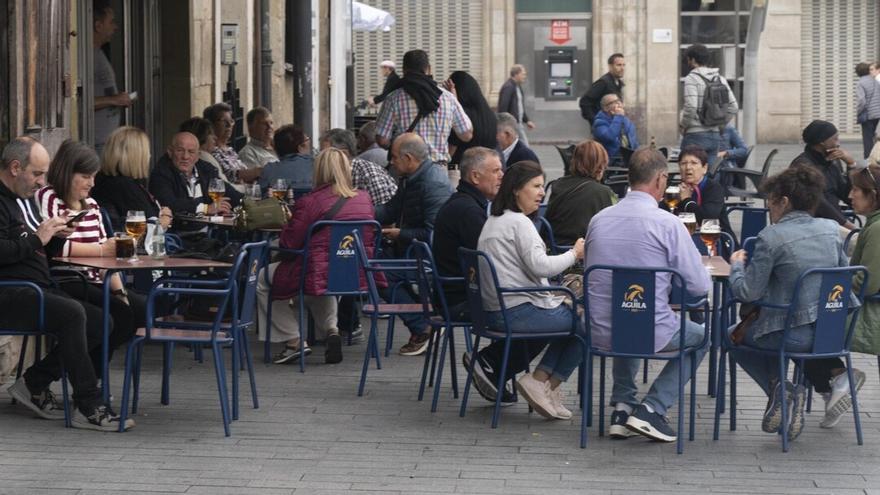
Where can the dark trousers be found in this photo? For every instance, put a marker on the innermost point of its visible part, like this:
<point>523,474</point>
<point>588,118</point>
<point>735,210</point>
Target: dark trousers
<point>404,294</point>
<point>348,314</point>
<point>77,328</point>
<point>126,318</point>
<point>818,372</point>
<point>868,129</point>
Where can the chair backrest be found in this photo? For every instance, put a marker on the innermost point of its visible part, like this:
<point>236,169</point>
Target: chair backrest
<point>833,306</point>
<point>545,230</point>
<point>472,262</point>
<point>566,154</point>
<point>633,305</point>
<point>364,263</point>
<point>430,281</point>
<point>244,274</point>
<point>343,271</point>
<point>848,240</point>
<point>749,247</point>
<point>753,220</point>
<point>853,217</point>
<point>105,219</point>
<point>765,170</point>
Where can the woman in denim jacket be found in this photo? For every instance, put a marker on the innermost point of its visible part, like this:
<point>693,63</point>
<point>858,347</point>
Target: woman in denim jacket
<point>795,242</point>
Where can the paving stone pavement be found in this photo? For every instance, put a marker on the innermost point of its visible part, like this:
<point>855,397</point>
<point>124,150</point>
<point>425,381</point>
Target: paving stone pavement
<point>313,435</point>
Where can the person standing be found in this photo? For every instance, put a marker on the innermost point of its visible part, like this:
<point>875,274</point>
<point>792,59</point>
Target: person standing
<point>391,81</point>
<point>108,99</point>
<point>511,100</point>
<point>700,122</point>
<point>610,83</point>
<point>467,91</point>
<point>867,105</point>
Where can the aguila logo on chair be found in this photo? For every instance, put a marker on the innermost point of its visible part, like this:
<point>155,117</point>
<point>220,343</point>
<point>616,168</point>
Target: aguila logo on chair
<point>834,298</point>
<point>634,299</point>
<point>345,250</point>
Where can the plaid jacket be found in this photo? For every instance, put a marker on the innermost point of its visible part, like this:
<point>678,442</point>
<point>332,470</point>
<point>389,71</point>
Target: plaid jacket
<point>374,179</point>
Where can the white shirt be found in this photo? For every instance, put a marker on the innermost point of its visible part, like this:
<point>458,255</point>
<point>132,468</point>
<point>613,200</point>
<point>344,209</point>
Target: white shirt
<point>507,151</point>
<point>194,188</point>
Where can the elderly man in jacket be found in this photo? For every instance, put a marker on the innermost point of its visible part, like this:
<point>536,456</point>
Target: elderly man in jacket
<point>613,129</point>
<point>423,189</point>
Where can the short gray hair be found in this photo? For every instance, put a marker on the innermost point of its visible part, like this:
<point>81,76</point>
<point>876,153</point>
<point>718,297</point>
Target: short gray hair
<point>415,147</point>
<point>367,132</point>
<point>516,69</point>
<point>644,164</point>
<point>475,159</point>
<point>19,149</point>
<point>341,139</point>
<point>506,121</point>
<point>606,100</point>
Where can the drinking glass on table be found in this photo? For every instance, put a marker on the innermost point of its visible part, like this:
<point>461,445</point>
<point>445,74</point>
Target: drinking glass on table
<point>710,231</point>
<point>216,190</point>
<point>672,196</point>
<point>135,226</point>
<point>690,222</point>
<point>253,191</point>
<point>279,189</point>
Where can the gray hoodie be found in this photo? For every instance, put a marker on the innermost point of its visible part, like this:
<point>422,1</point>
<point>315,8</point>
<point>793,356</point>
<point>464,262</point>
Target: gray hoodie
<point>694,87</point>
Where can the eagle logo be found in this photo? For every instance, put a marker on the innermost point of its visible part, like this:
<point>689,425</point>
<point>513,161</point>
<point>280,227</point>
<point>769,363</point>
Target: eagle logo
<point>346,242</point>
<point>634,291</point>
<point>835,294</point>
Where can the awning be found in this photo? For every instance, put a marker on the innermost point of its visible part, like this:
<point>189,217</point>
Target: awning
<point>366,18</point>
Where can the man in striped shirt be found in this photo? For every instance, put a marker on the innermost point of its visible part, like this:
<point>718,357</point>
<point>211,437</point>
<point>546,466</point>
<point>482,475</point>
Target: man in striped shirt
<point>419,105</point>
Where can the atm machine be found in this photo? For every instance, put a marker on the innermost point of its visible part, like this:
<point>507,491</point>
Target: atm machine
<point>560,64</point>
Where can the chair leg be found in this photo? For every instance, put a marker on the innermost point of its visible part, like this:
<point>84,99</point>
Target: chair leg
<point>221,385</point>
<point>130,355</point>
<point>469,378</point>
<point>435,336</point>
<point>453,372</point>
<point>783,375</point>
<point>582,387</point>
<point>267,344</point>
<point>679,444</point>
<point>855,400</point>
<point>427,362</point>
<point>139,351</point>
<point>694,397</point>
<point>732,402</point>
<point>719,395</point>
<point>501,379</point>
<point>370,350</point>
<point>168,348</point>
<point>236,363</point>
<point>588,377</point>
<point>645,371</point>
<point>602,396</point>
<point>246,349</point>
<point>438,380</point>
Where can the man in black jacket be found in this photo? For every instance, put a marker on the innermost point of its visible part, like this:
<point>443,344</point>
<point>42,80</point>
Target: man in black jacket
<point>459,223</point>
<point>76,326</point>
<point>511,100</point>
<point>611,82</point>
<point>391,82</point>
<point>511,148</point>
<point>181,181</point>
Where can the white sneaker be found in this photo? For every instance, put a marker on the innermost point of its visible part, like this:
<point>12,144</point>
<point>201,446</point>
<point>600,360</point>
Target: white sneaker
<point>839,401</point>
<point>537,394</point>
<point>556,400</point>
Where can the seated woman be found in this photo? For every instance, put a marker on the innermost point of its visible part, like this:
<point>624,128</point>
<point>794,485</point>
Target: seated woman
<point>577,197</point>
<point>334,198</point>
<point>295,165</point>
<point>793,243</point>
<point>510,239</point>
<point>71,175</point>
<point>700,195</point>
<point>120,186</point>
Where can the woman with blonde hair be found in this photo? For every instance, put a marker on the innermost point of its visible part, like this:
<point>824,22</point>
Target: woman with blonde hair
<point>120,186</point>
<point>333,198</point>
<point>579,196</point>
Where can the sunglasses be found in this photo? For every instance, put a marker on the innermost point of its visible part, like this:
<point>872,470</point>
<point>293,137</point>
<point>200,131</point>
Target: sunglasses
<point>873,178</point>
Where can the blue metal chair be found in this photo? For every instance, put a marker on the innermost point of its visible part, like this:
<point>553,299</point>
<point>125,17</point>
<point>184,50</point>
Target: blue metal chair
<point>38,331</point>
<point>853,217</point>
<point>632,331</point>
<point>546,232</point>
<point>833,309</point>
<point>343,277</point>
<point>849,238</point>
<point>376,307</point>
<point>400,285</point>
<point>431,282</point>
<point>753,220</point>
<point>473,263</point>
<point>239,291</point>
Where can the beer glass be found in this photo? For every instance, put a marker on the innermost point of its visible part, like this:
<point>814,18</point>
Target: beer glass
<point>253,191</point>
<point>124,246</point>
<point>135,226</point>
<point>672,196</point>
<point>216,190</point>
<point>279,189</point>
<point>710,231</point>
<point>690,222</point>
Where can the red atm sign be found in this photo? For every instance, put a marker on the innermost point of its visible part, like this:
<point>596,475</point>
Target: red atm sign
<point>560,32</point>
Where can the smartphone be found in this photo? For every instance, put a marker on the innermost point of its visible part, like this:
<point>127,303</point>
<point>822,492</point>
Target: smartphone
<point>79,216</point>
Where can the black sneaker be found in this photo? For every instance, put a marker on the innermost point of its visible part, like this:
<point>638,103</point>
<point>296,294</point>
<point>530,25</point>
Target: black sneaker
<point>651,425</point>
<point>289,355</point>
<point>102,418</point>
<point>333,354</point>
<point>357,335</point>
<point>798,402</point>
<point>485,380</point>
<point>618,429</point>
<point>44,404</point>
<point>772,419</point>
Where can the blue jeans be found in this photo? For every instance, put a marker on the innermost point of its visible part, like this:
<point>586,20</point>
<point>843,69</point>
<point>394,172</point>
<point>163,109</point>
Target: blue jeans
<point>709,141</point>
<point>664,390</point>
<point>563,355</point>
<point>404,294</point>
<point>764,369</point>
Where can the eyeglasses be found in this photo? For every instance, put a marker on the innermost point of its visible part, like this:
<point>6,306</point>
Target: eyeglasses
<point>873,178</point>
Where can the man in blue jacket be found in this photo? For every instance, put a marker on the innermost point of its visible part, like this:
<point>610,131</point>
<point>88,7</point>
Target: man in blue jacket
<point>613,129</point>
<point>424,188</point>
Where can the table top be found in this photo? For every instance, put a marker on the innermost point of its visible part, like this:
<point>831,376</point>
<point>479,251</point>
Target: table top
<point>225,221</point>
<point>145,263</point>
<point>718,268</point>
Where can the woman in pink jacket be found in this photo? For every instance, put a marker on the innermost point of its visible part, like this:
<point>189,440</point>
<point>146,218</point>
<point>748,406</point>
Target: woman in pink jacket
<point>332,188</point>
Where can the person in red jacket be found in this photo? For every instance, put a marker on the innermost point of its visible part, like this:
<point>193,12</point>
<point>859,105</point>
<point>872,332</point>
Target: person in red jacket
<point>332,182</point>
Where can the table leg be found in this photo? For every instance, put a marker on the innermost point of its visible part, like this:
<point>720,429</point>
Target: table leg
<point>105,339</point>
<point>715,340</point>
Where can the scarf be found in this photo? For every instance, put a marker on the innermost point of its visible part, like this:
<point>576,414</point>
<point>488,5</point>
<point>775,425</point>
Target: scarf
<point>422,89</point>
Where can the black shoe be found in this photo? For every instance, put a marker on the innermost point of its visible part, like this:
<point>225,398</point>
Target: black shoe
<point>485,379</point>
<point>333,354</point>
<point>798,402</point>
<point>357,335</point>
<point>44,404</point>
<point>772,419</point>
<point>651,425</point>
<point>102,418</point>
<point>618,429</point>
<point>290,355</point>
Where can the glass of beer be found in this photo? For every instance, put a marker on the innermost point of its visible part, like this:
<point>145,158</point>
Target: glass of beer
<point>216,190</point>
<point>690,222</point>
<point>279,189</point>
<point>672,196</point>
<point>135,226</point>
<point>710,231</point>
<point>124,246</point>
<point>253,191</point>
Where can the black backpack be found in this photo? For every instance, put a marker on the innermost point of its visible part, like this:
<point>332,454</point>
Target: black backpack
<point>716,97</point>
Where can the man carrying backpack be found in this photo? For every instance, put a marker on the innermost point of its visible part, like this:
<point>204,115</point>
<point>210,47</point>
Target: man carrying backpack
<point>709,104</point>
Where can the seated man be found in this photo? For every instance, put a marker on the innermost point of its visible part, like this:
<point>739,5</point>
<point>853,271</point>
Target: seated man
<point>634,232</point>
<point>181,181</point>
<point>511,148</point>
<point>733,153</point>
<point>412,210</point>
<point>77,326</point>
<point>614,130</point>
<point>367,146</point>
<point>296,166</point>
<point>365,174</point>
<point>259,150</point>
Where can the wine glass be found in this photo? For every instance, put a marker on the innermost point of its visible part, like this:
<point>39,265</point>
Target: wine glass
<point>135,226</point>
<point>254,191</point>
<point>279,189</point>
<point>216,190</point>
<point>690,221</point>
<point>672,196</point>
<point>710,231</point>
